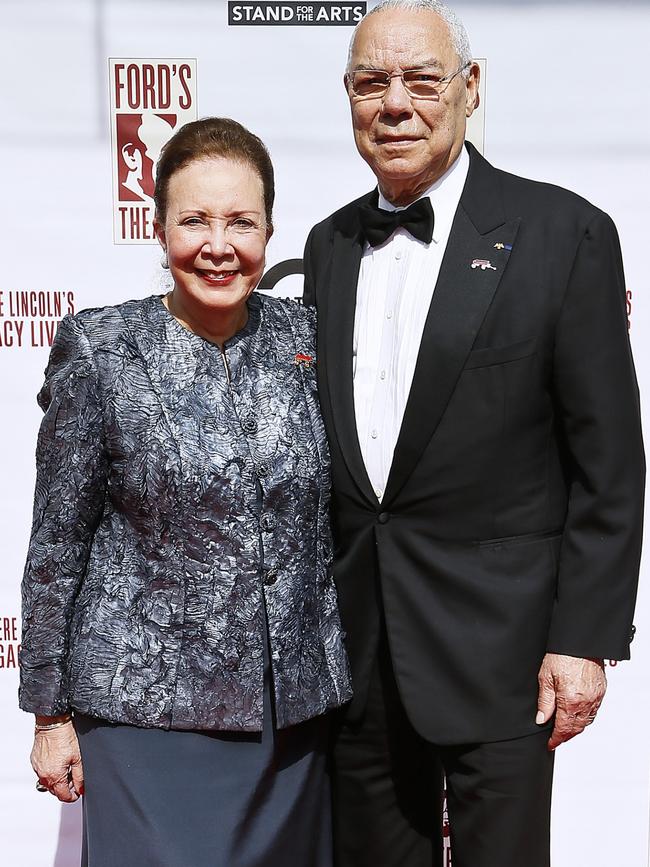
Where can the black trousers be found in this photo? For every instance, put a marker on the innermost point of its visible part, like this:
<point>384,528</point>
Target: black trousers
<point>388,789</point>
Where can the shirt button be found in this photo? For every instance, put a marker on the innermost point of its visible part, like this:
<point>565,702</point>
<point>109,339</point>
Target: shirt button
<point>382,375</point>
<point>398,254</point>
<point>389,315</point>
<point>379,493</point>
<point>383,517</point>
<point>373,434</point>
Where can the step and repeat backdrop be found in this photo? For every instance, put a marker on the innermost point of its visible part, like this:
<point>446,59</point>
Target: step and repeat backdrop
<point>92,90</point>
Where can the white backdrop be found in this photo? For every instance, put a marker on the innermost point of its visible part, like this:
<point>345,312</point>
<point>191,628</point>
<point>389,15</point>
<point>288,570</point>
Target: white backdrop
<point>566,102</point>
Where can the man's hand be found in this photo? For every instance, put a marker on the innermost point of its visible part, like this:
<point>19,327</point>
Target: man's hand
<point>57,761</point>
<point>573,688</point>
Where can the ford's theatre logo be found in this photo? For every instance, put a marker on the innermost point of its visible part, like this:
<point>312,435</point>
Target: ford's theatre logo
<point>150,99</point>
<point>139,140</point>
<point>302,13</point>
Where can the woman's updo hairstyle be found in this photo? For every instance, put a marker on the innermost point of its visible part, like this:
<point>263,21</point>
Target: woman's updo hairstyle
<point>208,138</point>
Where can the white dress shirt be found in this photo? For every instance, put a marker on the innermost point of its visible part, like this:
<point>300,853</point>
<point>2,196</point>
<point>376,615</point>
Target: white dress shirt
<point>396,283</point>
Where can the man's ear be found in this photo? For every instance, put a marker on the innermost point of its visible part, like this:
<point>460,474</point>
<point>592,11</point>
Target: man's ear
<point>472,98</point>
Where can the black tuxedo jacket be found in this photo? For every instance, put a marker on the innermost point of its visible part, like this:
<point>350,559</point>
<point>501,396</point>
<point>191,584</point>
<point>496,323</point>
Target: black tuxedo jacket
<point>511,520</point>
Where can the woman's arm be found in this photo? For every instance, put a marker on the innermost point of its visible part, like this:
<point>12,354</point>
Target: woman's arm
<point>68,502</point>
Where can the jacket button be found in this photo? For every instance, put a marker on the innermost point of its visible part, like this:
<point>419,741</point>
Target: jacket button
<point>270,577</point>
<point>383,517</point>
<point>268,522</point>
<point>262,471</point>
<point>632,634</point>
<point>249,425</point>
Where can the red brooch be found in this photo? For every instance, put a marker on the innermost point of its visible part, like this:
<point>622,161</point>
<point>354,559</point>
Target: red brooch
<point>302,358</point>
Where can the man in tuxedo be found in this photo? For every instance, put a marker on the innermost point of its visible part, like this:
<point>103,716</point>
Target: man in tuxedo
<point>488,472</point>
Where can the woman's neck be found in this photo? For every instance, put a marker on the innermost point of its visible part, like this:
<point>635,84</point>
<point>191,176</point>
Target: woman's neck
<point>215,326</point>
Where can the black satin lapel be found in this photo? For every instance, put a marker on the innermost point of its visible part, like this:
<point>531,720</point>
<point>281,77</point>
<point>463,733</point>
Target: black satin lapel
<point>461,299</point>
<point>341,301</point>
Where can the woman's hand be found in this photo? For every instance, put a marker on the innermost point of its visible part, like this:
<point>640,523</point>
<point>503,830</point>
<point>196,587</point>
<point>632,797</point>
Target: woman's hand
<point>56,758</point>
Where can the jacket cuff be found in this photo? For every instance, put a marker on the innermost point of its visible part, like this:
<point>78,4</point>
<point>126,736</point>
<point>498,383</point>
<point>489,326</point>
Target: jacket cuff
<point>43,690</point>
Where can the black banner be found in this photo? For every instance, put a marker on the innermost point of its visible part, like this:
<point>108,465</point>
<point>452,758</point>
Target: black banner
<point>304,14</point>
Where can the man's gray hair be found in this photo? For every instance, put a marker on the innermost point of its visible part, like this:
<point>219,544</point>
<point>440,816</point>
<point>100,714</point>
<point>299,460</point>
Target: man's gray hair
<point>457,32</point>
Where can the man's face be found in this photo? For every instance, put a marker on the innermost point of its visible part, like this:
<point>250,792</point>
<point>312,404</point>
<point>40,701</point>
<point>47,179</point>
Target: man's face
<point>409,142</point>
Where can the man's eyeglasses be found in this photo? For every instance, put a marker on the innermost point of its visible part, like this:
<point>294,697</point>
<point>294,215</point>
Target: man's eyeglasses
<point>418,83</point>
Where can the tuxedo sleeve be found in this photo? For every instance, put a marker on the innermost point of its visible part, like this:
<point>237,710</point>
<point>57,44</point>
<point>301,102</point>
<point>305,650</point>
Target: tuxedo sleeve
<point>309,290</point>
<point>597,405</point>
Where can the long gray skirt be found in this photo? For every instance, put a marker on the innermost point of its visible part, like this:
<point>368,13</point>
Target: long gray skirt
<point>156,798</point>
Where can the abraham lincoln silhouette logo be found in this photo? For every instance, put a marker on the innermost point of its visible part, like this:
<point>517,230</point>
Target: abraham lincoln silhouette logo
<point>140,138</point>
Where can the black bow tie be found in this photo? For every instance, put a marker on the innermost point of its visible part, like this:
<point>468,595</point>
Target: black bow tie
<point>379,225</point>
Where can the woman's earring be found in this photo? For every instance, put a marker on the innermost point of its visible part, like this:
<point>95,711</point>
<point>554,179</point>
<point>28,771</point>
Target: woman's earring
<point>164,262</point>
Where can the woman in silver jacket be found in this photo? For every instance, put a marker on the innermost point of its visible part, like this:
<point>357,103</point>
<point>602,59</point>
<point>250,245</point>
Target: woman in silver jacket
<point>181,641</point>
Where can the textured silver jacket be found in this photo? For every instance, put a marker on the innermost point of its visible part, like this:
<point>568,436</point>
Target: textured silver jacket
<point>182,494</point>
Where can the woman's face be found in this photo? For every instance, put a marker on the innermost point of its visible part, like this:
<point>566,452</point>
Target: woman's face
<point>215,234</point>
